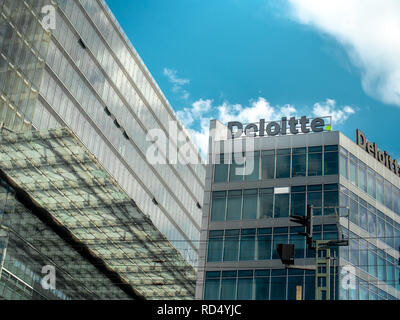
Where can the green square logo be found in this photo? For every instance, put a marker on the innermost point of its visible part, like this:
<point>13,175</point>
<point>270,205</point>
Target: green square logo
<point>328,128</point>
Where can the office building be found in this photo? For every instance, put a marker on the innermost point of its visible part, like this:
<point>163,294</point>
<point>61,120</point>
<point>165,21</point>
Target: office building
<point>355,192</point>
<point>67,63</point>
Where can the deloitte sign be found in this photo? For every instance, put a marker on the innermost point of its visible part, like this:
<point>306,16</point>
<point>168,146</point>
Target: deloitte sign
<point>273,128</point>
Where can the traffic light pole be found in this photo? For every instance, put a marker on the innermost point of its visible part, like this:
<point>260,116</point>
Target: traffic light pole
<point>322,254</point>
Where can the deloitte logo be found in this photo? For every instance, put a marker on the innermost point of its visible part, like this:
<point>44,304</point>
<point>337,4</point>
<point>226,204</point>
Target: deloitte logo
<point>283,127</point>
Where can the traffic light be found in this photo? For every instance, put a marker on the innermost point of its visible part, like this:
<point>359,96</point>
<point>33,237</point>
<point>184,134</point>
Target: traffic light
<point>286,253</point>
<point>307,222</point>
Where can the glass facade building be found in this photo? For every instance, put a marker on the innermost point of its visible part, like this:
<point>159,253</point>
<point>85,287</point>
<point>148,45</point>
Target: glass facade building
<point>68,63</point>
<point>246,216</point>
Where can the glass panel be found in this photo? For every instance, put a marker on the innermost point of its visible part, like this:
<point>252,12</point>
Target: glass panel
<point>218,206</point>
<point>267,203</point>
<point>353,170</point>
<point>314,164</point>
<point>268,164</point>
<point>298,205</point>
<point>331,165</point>
<point>388,195</point>
<point>231,247</point>
<point>247,244</point>
<point>299,164</point>
<point>363,218</point>
<point>264,246</point>
<point>379,188</point>
<point>278,288</point>
<point>262,288</point>
<point>343,166</point>
<point>234,205</point>
<point>250,204</point>
<point>233,173</point>
<point>293,282</point>
<point>228,289</point>
<point>245,289</point>
<point>281,205</point>
<point>315,198</point>
<point>215,243</point>
<point>371,182</point>
<point>211,289</point>
<point>253,162</point>
<point>221,171</point>
<point>362,176</point>
<point>330,200</point>
<point>283,163</point>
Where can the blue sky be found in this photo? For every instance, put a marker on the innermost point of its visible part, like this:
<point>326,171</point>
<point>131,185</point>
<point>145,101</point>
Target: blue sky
<point>245,60</point>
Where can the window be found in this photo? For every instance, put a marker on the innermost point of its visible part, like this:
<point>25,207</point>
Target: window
<point>221,170</point>
<point>363,218</point>
<point>388,194</point>
<point>353,169</point>
<point>268,164</point>
<point>278,288</point>
<point>371,182</point>
<point>362,176</point>
<point>236,167</point>
<point>264,238</point>
<point>371,222</point>
<point>314,197</point>
<point>281,205</point>
<point>283,163</point>
<point>218,206</point>
<point>262,284</point>
<point>245,285</point>
<point>267,202</point>
<point>331,165</point>
<point>231,247</point>
<point>247,244</point>
<point>250,204</point>
<point>315,161</point>
<point>252,165</point>
<point>215,246</point>
<point>343,166</point>
<point>379,188</point>
<point>298,205</point>
<point>299,165</point>
<point>331,198</point>
<point>228,285</point>
<point>212,285</point>
<point>234,205</point>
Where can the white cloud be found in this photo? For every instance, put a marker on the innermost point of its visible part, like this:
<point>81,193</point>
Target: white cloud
<point>329,108</point>
<point>177,83</point>
<point>369,30</point>
<point>258,109</point>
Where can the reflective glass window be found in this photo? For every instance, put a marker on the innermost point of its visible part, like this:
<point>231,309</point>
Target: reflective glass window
<point>250,204</point>
<point>299,164</point>
<point>268,164</point>
<point>315,161</point>
<point>267,202</point>
<point>283,163</point>
<point>218,206</point>
<point>281,205</point>
<point>231,245</point>
<point>234,205</point>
